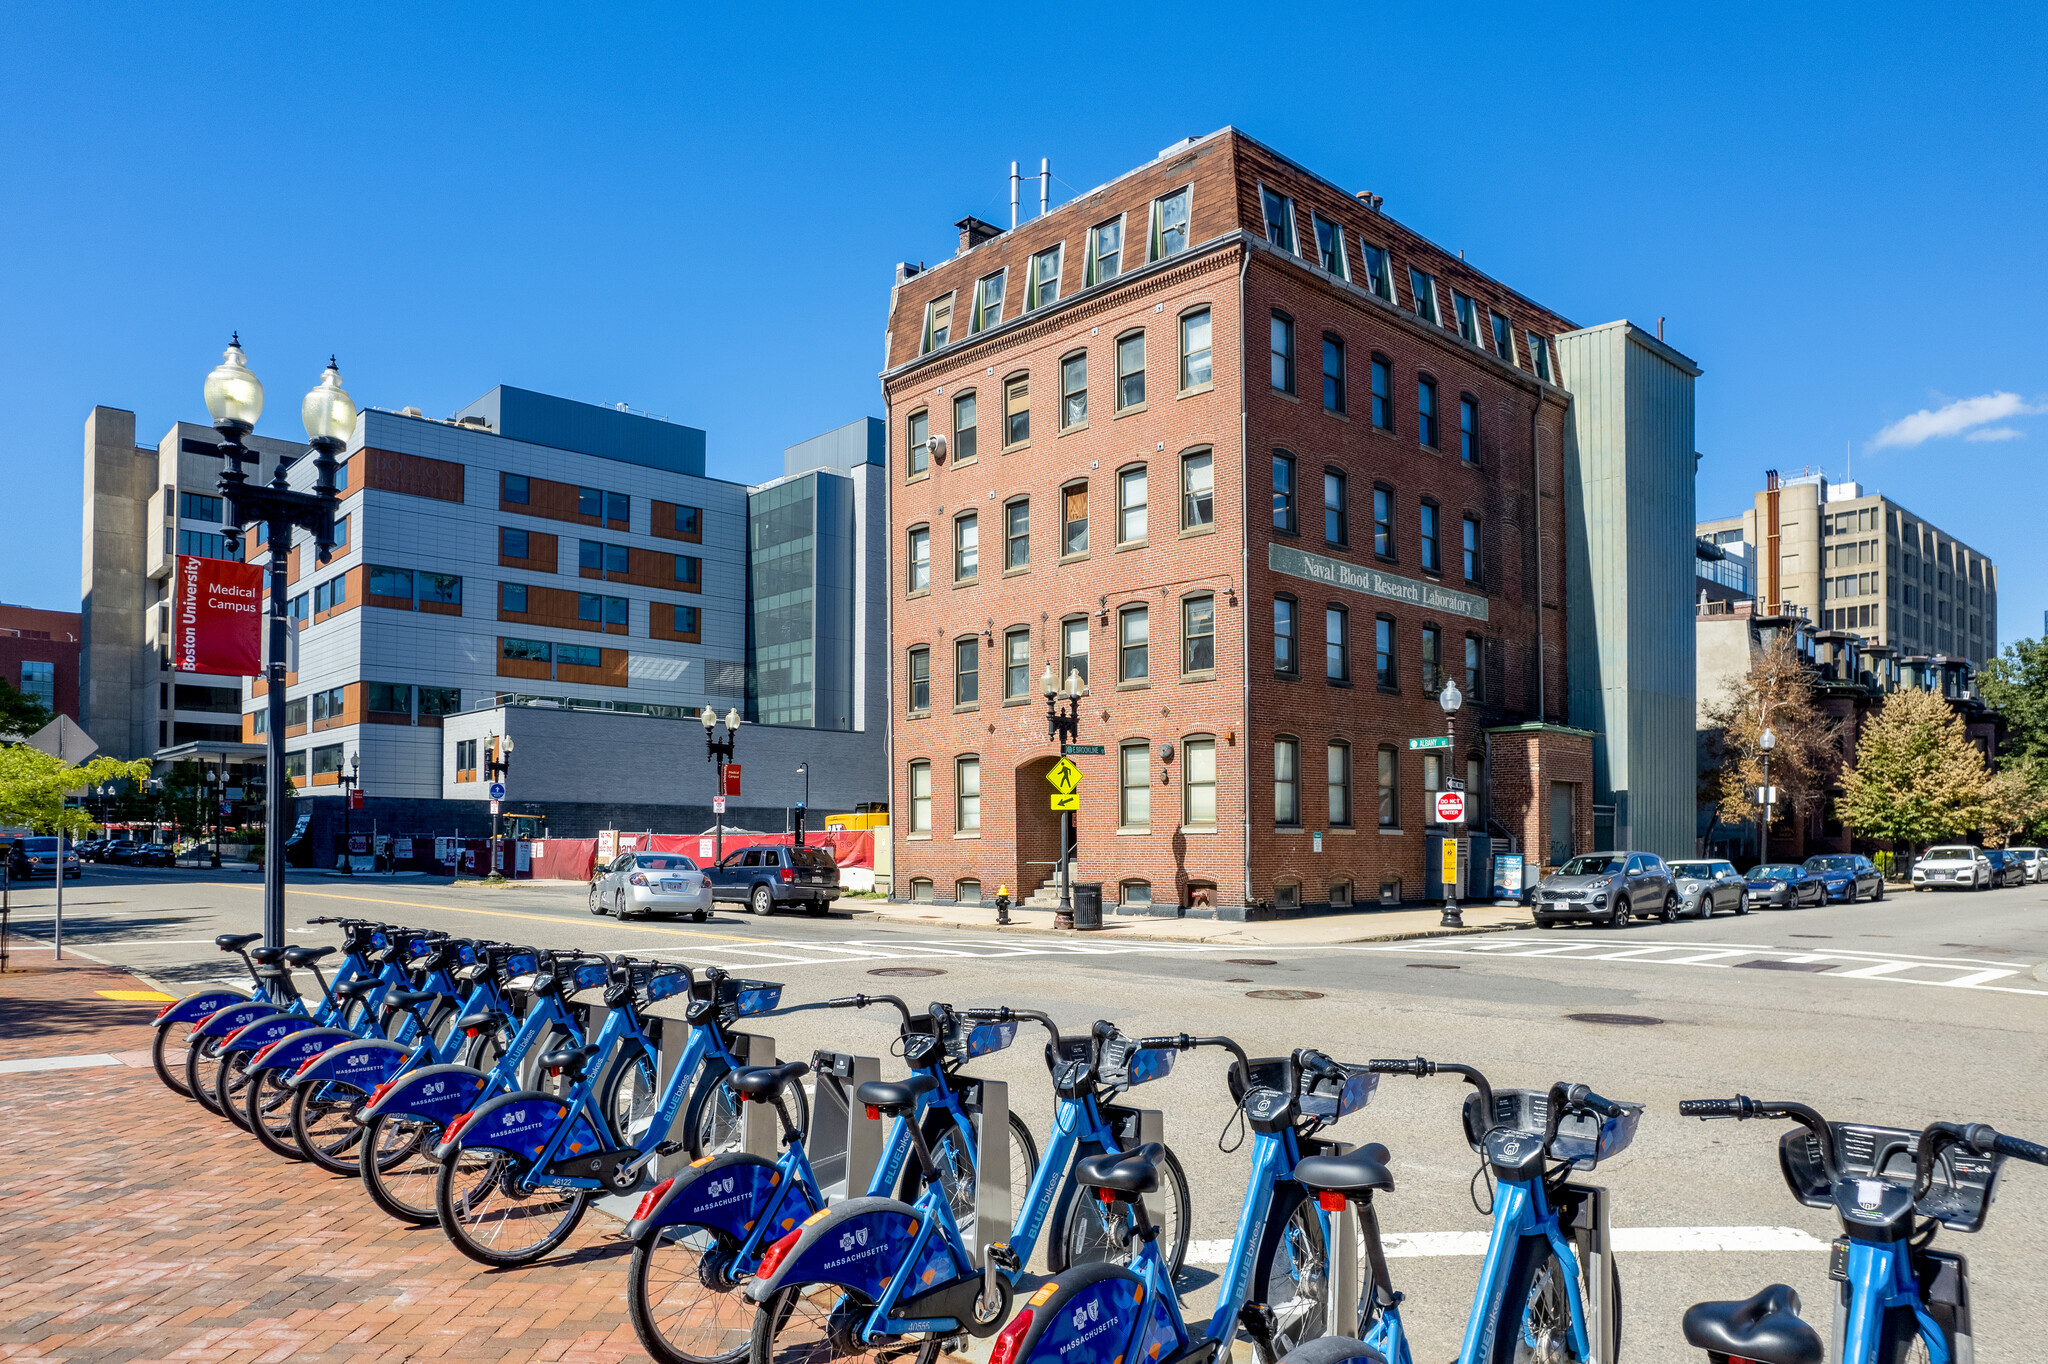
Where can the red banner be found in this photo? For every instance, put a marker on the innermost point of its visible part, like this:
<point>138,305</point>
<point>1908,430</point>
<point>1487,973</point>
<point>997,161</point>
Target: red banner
<point>218,617</point>
<point>732,779</point>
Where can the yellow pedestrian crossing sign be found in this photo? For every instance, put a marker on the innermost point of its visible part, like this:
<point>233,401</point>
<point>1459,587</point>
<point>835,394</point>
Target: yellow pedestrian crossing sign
<point>1065,778</point>
<point>1070,801</point>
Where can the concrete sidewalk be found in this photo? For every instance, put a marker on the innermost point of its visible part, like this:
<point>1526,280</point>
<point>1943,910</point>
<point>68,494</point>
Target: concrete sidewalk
<point>1358,925</point>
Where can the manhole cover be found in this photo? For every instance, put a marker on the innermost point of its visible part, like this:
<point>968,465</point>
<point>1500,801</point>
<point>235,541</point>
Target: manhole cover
<point>1238,980</point>
<point>1785,965</point>
<point>1432,966</point>
<point>906,971</point>
<point>1617,1020</point>
<point>1250,961</point>
<point>1282,994</point>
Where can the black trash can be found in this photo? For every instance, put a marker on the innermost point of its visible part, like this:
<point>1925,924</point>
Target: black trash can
<point>1087,904</point>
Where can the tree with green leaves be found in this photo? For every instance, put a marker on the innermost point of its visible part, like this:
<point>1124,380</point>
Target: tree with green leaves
<point>2015,801</point>
<point>34,785</point>
<point>20,713</point>
<point>2015,684</point>
<point>1917,777</point>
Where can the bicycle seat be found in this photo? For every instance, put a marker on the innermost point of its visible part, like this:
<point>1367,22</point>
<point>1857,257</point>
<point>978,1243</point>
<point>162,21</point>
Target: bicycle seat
<point>405,999</point>
<point>267,956</point>
<point>1765,1328</point>
<point>1355,1172</point>
<point>760,1082</point>
<point>889,1095</point>
<point>305,956</point>
<point>355,989</point>
<point>571,1059</point>
<point>487,1021</point>
<point>235,942</point>
<point>1124,1171</point>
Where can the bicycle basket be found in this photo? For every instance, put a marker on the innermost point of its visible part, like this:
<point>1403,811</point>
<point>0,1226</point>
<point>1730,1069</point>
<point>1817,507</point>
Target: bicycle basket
<point>1582,1139</point>
<point>1329,1100</point>
<point>1125,1063</point>
<point>964,1044</point>
<point>1958,1196</point>
<point>521,964</point>
<point>738,998</point>
<point>590,975</point>
<point>465,955</point>
<point>667,984</point>
<point>418,947</point>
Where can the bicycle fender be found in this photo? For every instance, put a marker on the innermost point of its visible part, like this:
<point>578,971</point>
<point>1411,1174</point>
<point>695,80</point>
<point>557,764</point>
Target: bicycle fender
<point>725,1193</point>
<point>231,1018</point>
<point>1091,1315</point>
<point>264,1031</point>
<point>521,1123</point>
<point>289,1051</point>
<point>433,1094</point>
<point>197,1005</point>
<point>365,1062</point>
<point>858,1245</point>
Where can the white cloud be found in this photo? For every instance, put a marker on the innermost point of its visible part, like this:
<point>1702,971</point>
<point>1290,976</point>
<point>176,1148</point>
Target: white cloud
<point>1995,433</point>
<point>1953,419</point>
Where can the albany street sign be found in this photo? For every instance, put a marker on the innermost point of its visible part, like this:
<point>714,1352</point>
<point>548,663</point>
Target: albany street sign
<point>1372,582</point>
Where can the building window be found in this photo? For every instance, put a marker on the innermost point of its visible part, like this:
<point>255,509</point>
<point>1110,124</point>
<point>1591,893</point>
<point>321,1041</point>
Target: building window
<point>1425,411</point>
<point>1429,555</point>
<point>1472,566</point>
<point>602,610</point>
<point>1286,781</point>
<point>1197,491</point>
<point>1194,350</point>
<point>1134,804</point>
<point>440,589</point>
<point>1330,246</point>
<point>1473,673</point>
<point>1017,535</point>
<point>966,548</point>
<point>1017,411</point>
<point>525,650</point>
<point>1074,391</point>
<point>1468,317</point>
<point>391,582</point>
<point>1169,230</point>
<point>1336,644</point>
<point>619,507</point>
<point>1198,783</point>
<point>1130,505</point>
<point>1377,277</point>
<point>921,798</point>
<point>1198,635</point>
<point>1383,652</point>
<point>297,608</point>
<point>1432,782</point>
<point>967,891</point>
<point>1468,428</point>
<point>1333,373</point>
<point>921,887</point>
<point>1137,894</point>
<point>205,546</point>
<point>1279,219</point>
<point>689,569</point>
<point>1382,393</point>
<point>1016,665</point>
<point>920,681</point>
<point>988,301</point>
<point>689,520</point>
<point>686,620</point>
<point>1286,655</point>
<point>920,559</point>
<point>1389,808</point>
<point>590,502</point>
<point>1336,517</point>
<point>512,597</point>
<point>328,704</point>
<point>1283,492</point>
<point>1044,285</point>
<point>1074,516</point>
<point>1422,288</point>
<point>1503,337</point>
<point>512,544</point>
<point>388,698</point>
<point>330,594</point>
<point>514,488</point>
<point>295,713</point>
<point>1539,356</point>
<point>1340,785</point>
<point>198,507</point>
<point>327,761</point>
<point>1383,522</point>
<point>938,323</point>
<point>1432,659</point>
<point>1074,648</point>
<point>1282,342</point>
<point>920,443</point>
<point>1134,636</point>
<point>967,670</point>
<point>1105,250</point>
<point>1130,371</point>
<point>963,428</point>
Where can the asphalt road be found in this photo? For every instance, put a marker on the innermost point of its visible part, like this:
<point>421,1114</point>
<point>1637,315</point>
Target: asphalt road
<point>1923,1007</point>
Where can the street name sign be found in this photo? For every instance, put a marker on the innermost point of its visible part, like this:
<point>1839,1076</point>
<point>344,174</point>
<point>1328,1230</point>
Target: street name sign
<point>1086,750</point>
<point>1433,741</point>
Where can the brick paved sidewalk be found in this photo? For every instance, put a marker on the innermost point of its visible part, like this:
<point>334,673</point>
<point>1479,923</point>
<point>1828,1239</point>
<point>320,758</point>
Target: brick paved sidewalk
<point>136,1226</point>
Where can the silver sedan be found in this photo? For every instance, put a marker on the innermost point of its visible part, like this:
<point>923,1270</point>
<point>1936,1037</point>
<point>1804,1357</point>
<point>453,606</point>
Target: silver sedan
<point>650,883</point>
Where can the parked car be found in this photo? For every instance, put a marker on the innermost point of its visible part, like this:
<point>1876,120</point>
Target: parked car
<point>34,856</point>
<point>768,878</point>
<point>1848,876</point>
<point>91,849</point>
<point>2033,860</point>
<point>1704,887</point>
<point>651,883</point>
<point>1953,866</point>
<point>2006,870</point>
<point>1607,888</point>
<point>149,855</point>
<point>1786,885</point>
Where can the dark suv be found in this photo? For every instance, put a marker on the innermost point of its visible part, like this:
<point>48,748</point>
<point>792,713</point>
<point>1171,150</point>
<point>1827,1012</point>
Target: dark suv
<point>768,878</point>
<point>1607,888</point>
<point>37,856</point>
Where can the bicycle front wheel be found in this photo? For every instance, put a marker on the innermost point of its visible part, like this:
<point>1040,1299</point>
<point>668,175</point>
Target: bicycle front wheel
<point>716,1120</point>
<point>267,1111</point>
<point>1295,1281</point>
<point>816,1324</point>
<point>1535,1323</point>
<point>630,1096</point>
<point>230,1078</point>
<point>1088,1231</point>
<point>685,1303</point>
<point>324,1123</point>
<point>170,1068</point>
<point>202,1061</point>
<point>493,1218</point>
<point>948,1142</point>
<point>392,1160</point>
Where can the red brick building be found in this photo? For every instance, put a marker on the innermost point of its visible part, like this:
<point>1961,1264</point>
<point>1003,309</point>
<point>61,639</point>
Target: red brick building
<point>39,655</point>
<point>1264,467</point>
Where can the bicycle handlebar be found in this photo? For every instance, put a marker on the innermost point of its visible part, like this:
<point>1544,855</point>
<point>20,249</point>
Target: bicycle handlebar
<point>1183,1042</point>
<point>862,1001</point>
<point>1742,1108</point>
<point>1005,1014</point>
<point>1422,1068</point>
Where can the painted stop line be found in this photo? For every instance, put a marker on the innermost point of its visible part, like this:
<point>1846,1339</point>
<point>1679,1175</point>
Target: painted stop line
<point>1627,1241</point>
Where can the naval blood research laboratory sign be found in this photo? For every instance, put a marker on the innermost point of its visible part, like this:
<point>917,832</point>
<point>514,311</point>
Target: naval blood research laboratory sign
<point>218,625</point>
<point>1371,582</point>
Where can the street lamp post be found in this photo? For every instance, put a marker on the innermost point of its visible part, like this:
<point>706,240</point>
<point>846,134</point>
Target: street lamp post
<point>497,766</point>
<point>803,811</point>
<point>1450,698</point>
<point>719,750</point>
<point>216,781</point>
<point>1765,743</point>
<point>1063,725</point>
<point>351,781</point>
<point>234,399</point>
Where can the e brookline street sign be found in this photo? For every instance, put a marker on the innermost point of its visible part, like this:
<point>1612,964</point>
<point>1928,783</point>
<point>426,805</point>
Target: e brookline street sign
<point>1371,582</point>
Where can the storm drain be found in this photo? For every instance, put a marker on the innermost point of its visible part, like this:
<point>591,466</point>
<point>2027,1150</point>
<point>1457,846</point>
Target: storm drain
<point>1283,994</point>
<point>906,971</point>
<point>1784,965</point>
<point>1617,1020</point>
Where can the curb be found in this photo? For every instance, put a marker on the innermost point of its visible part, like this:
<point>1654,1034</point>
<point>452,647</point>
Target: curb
<point>1217,939</point>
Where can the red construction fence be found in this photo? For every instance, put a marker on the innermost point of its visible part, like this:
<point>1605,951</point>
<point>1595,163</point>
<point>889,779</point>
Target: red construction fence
<point>572,859</point>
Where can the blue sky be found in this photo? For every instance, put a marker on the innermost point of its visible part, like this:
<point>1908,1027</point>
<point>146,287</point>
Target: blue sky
<point>1839,213</point>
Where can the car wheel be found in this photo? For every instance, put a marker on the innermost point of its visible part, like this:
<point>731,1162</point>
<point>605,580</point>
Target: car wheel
<point>1542,922</point>
<point>1878,894</point>
<point>1619,917</point>
<point>1670,914</point>
<point>702,916</point>
<point>1855,893</point>
<point>763,902</point>
<point>596,901</point>
<point>1742,903</point>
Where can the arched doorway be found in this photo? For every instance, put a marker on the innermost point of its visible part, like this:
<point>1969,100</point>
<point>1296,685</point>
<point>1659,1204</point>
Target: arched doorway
<point>1038,826</point>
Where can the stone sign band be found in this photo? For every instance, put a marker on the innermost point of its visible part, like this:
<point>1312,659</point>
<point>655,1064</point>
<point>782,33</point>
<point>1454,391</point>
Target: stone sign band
<point>1371,582</point>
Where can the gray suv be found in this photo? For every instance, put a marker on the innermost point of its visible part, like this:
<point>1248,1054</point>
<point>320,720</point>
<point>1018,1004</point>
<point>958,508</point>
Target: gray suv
<point>1607,888</point>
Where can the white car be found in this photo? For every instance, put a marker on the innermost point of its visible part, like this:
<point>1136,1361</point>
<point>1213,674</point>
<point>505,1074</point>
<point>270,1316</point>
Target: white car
<point>2032,860</point>
<point>650,883</point>
<point>1954,866</point>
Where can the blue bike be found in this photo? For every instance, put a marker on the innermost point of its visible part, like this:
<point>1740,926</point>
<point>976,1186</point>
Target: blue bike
<point>1896,1300</point>
<point>1275,1286</point>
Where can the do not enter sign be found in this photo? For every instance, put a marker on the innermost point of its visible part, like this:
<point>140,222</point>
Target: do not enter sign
<point>1450,807</point>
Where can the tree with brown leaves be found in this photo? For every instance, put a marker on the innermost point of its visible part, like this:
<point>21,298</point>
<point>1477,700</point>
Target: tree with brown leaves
<point>1776,694</point>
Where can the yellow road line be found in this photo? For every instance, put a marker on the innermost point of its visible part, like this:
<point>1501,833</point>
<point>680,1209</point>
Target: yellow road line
<point>514,914</point>
<point>138,996</point>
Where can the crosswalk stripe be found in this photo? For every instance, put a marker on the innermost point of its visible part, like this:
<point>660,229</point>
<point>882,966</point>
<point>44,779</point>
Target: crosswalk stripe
<point>1400,1245</point>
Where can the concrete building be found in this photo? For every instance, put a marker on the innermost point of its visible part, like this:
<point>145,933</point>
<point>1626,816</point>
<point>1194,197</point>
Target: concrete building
<point>1358,445</point>
<point>39,655</point>
<point>1855,560</point>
